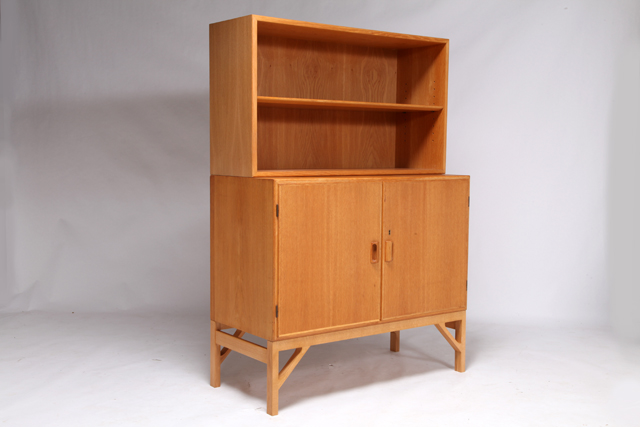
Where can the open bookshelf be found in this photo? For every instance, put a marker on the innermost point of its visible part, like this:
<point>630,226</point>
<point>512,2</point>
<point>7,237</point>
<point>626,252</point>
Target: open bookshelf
<point>301,99</point>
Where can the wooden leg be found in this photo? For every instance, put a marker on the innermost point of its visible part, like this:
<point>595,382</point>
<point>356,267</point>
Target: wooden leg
<point>273,374</point>
<point>395,341</point>
<point>215,356</point>
<point>461,338</point>
<point>458,343</point>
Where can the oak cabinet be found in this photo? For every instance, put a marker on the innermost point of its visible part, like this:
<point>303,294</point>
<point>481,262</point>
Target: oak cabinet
<point>331,215</point>
<point>319,256</point>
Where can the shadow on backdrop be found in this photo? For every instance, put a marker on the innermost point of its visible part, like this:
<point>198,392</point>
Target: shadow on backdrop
<point>624,198</point>
<point>112,205</point>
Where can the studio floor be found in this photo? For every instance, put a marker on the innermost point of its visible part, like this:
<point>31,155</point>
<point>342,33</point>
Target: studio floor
<point>153,370</point>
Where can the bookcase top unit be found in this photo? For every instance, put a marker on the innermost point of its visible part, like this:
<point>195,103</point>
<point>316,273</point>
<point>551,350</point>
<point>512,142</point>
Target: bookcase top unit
<point>293,98</point>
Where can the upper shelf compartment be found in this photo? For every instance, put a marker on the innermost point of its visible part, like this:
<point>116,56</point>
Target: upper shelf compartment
<point>313,61</point>
<point>302,99</point>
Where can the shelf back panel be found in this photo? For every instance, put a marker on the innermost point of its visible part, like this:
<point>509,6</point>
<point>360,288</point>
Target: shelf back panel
<point>294,68</point>
<point>290,138</point>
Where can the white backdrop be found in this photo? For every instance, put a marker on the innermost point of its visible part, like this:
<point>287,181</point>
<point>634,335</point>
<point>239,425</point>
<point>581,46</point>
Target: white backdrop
<point>106,166</point>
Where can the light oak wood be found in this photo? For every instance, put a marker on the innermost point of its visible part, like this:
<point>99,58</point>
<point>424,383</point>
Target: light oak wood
<point>271,101</point>
<point>247,348</point>
<point>428,222</point>
<point>374,252</point>
<point>451,325</point>
<point>333,33</point>
<point>243,238</point>
<point>388,248</point>
<point>326,277</point>
<point>384,98</point>
<point>365,178</point>
<point>461,337</point>
<point>233,85</point>
<point>226,351</point>
<point>295,68</point>
<point>292,138</point>
<point>450,339</point>
<point>344,172</point>
<point>270,354</point>
<point>291,364</point>
<point>395,341</point>
<point>330,216</point>
<point>215,356</point>
<point>364,331</point>
<point>272,378</point>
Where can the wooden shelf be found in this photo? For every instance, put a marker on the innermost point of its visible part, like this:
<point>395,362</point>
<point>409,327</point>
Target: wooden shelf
<point>292,98</point>
<point>272,101</point>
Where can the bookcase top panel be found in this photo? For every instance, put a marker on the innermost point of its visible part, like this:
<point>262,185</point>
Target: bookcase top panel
<point>333,33</point>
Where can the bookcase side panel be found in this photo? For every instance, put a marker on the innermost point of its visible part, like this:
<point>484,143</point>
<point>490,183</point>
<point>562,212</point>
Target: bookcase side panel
<point>232,98</point>
<point>422,80</point>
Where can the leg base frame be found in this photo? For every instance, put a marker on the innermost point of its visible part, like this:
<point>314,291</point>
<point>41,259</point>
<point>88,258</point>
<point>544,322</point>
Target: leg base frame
<point>222,344</point>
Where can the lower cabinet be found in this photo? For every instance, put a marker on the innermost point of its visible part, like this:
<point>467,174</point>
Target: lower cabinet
<point>293,256</point>
<point>301,262</point>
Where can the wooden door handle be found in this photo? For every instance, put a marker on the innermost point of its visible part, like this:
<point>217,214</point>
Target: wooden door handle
<point>374,252</point>
<point>388,251</point>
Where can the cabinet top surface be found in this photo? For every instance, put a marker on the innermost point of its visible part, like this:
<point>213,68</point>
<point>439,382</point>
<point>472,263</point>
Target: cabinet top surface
<point>314,31</point>
<point>315,180</point>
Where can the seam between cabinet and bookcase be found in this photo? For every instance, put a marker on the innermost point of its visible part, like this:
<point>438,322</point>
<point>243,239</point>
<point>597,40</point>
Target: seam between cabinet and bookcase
<point>294,180</point>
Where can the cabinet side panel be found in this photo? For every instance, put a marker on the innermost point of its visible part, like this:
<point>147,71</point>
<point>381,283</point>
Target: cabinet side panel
<point>427,222</point>
<point>232,106</point>
<point>242,254</point>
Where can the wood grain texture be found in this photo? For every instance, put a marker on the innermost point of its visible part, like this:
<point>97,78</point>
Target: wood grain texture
<point>291,138</point>
<point>296,68</point>
<point>326,278</point>
<point>342,172</point>
<point>271,101</point>
<point>332,33</point>
<point>283,180</point>
<point>461,337</point>
<point>241,346</point>
<point>420,141</point>
<point>423,80</point>
<point>273,359</point>
<point>233,87</point>
<point>395,341</point>
<point>364,331</point>
<point>226,351</point>
<point>216,359</point>
<point>422,75</point>
<point>243,237</point>
<point>428,223</point>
